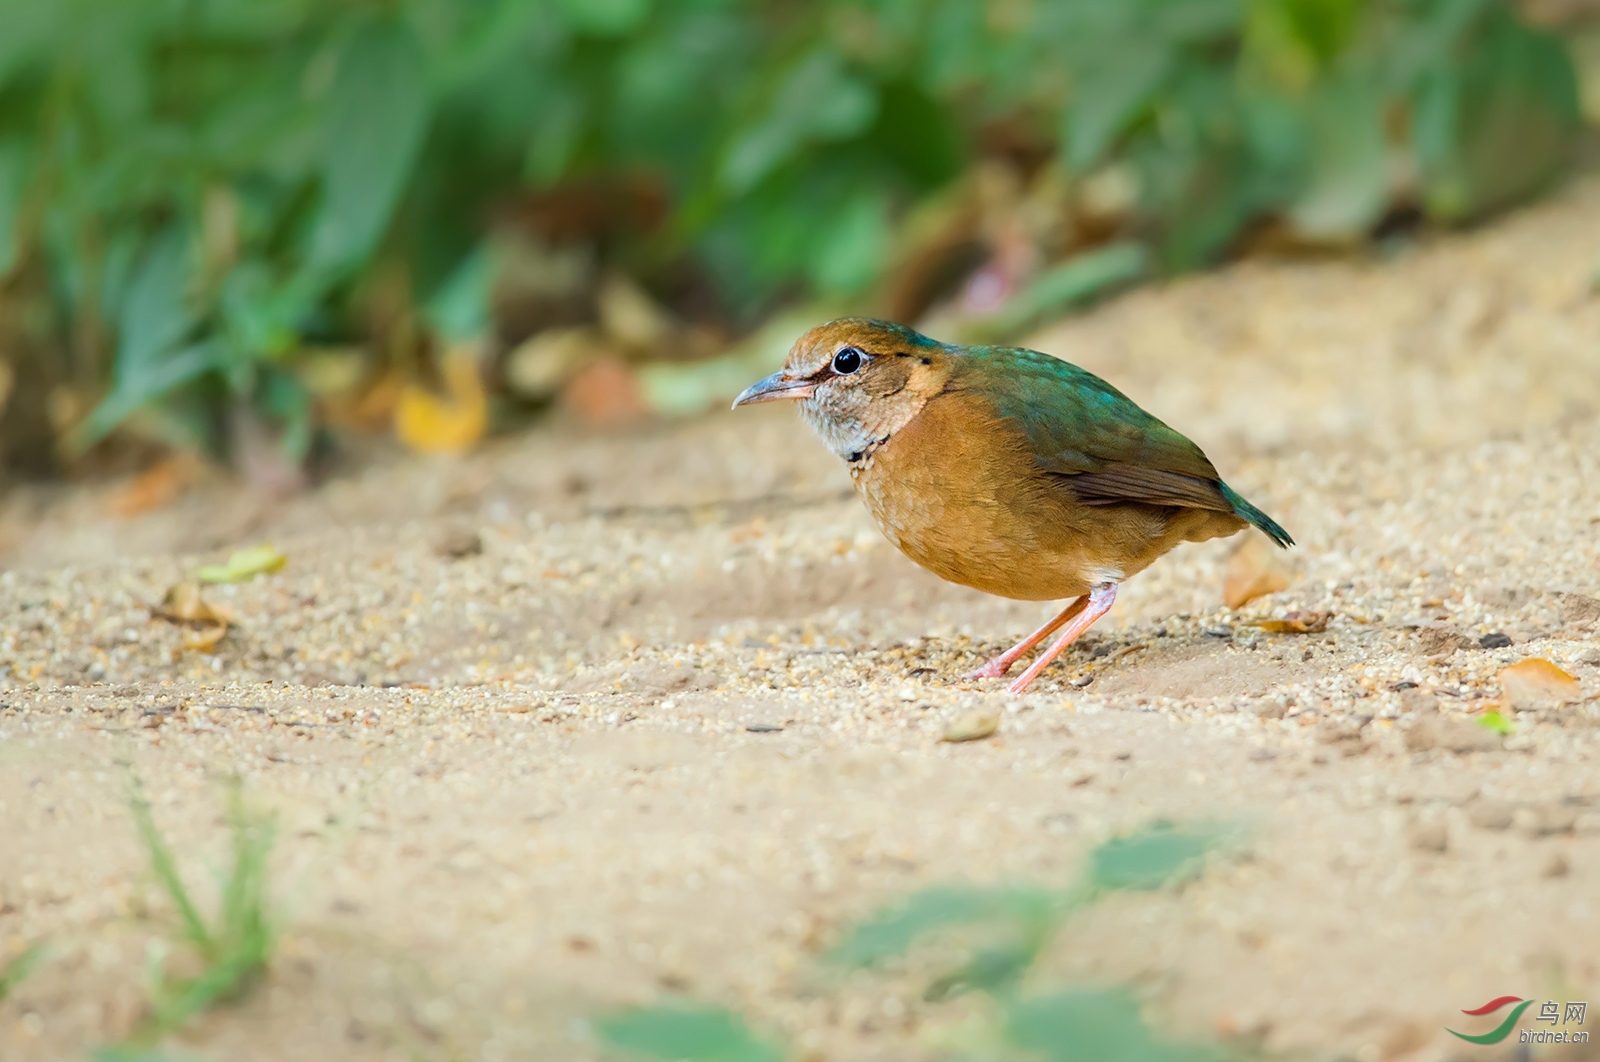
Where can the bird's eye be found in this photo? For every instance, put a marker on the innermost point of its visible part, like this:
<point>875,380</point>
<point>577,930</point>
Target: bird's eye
<point>847,361</point>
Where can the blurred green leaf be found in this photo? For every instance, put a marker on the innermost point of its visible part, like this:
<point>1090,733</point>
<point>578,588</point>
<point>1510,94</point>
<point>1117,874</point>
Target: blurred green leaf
<point>1498,122</point>
<point>1095,1025</point>
<point>156,319</point>
<point>1078,279</point>
<point>377,112</point>
<point>20,966</point>
<point>1292,42</point>
<point>1150,858</point>
<point>156,313</point>
<point>13,183</point>
<point>282,397</point>
<point>606,17</point>
<point>818,99</point>
<point>131,1054</point>
<point>140,388</point>
<point>892,932</point>
<point>851,248</point>
<point>459,310</point>
<point>1110,92</point>
<point>685,1034</point>
<point>993,969</point>
<point>1348,188</point>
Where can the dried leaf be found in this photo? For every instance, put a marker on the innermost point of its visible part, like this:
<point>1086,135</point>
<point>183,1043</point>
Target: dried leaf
<point>183,603</point>
<point>244,565</point>
<point>204,639</point>
<point>430,424</point>
<point>541,365</point>
<point>154,488</point>
<point>1536,683</point>
<point>1256,569</point>
<point>631,317</point>
<point>1297,623</point>
<point>974,726</point>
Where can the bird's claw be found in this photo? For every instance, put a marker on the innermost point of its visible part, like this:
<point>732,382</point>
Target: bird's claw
<point>993,669</point>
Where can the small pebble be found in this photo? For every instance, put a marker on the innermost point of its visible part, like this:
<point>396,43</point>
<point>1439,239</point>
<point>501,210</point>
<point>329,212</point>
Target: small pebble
<point>1494,640</point>
<point>458,542</point>
<point>1556,866</point>
<point>1547,821</point>
<point>974,726</point>
<point>1490,815</point>
<point>1430,837</point>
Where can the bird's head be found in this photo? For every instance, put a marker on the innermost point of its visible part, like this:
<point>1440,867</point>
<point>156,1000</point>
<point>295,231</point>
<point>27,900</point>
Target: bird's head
<point>858,381</point>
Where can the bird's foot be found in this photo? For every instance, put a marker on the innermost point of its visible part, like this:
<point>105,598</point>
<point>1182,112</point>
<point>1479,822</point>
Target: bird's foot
<point>995,668</point>
<point>998,667</point>
<point>1098,603</point>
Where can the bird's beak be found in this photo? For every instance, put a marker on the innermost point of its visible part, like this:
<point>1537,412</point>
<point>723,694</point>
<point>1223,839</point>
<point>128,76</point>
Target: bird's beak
<point>775,387</point>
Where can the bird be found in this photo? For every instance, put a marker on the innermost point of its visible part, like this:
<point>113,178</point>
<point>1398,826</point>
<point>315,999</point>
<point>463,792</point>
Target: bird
<point>1004,469</point>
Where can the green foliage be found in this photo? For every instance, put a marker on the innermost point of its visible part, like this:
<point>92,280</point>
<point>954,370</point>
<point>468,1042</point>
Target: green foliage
<point>1095,1025</point>
<point>200,188</point>
<point>14,972</point>
<point>1156,856</point>
<point>233,947</point>
<point>892,932</point>
<point>685,1034</point>
<point>1008,929</point>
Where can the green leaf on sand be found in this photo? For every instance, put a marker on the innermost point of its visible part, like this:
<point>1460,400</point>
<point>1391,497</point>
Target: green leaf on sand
<point>1496,722</point>
<point>244,565</point>
<point>685,1034</point>
<point>1154,856</point>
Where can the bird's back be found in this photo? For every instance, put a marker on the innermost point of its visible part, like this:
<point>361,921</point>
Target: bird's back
<point>1031,478</point>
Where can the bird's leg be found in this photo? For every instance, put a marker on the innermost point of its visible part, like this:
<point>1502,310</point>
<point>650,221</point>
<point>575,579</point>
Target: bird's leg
<point>1100,600</point>
<point>1002,663</point>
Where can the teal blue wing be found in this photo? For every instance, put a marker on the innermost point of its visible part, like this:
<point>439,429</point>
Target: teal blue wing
<point>1107,449</point>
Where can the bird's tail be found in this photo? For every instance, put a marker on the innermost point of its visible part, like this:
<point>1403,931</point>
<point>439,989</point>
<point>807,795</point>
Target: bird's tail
<point>1250,513</point>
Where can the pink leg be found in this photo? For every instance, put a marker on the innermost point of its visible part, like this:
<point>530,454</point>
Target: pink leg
<point>1100,601</point>
<point>1002,663</point>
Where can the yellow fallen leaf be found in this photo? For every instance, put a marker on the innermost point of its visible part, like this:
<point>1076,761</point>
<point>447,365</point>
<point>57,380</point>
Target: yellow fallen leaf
<point>974,726</point>
<point>243,565</point>
<point>1297,623</point>
<point>1536,683</point>
<point>430,424</point>
<point>1256,569</point>
<point>183,603</point>
<point>204,639</point>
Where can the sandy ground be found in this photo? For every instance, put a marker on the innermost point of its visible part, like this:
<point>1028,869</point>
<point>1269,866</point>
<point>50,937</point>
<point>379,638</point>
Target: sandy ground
<point>522,784</point>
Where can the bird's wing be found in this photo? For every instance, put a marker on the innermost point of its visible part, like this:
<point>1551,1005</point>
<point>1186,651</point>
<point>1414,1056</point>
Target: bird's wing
<point>1107,449</point>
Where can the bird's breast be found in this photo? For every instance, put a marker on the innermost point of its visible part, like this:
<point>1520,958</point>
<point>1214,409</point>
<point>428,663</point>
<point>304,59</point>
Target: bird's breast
<point>958,493</point>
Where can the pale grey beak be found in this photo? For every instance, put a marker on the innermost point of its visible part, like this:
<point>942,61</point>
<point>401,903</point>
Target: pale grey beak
<point>775,387</point>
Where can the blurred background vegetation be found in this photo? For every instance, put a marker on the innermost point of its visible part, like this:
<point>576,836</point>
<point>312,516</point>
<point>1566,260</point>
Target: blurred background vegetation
<point>248,227</point>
